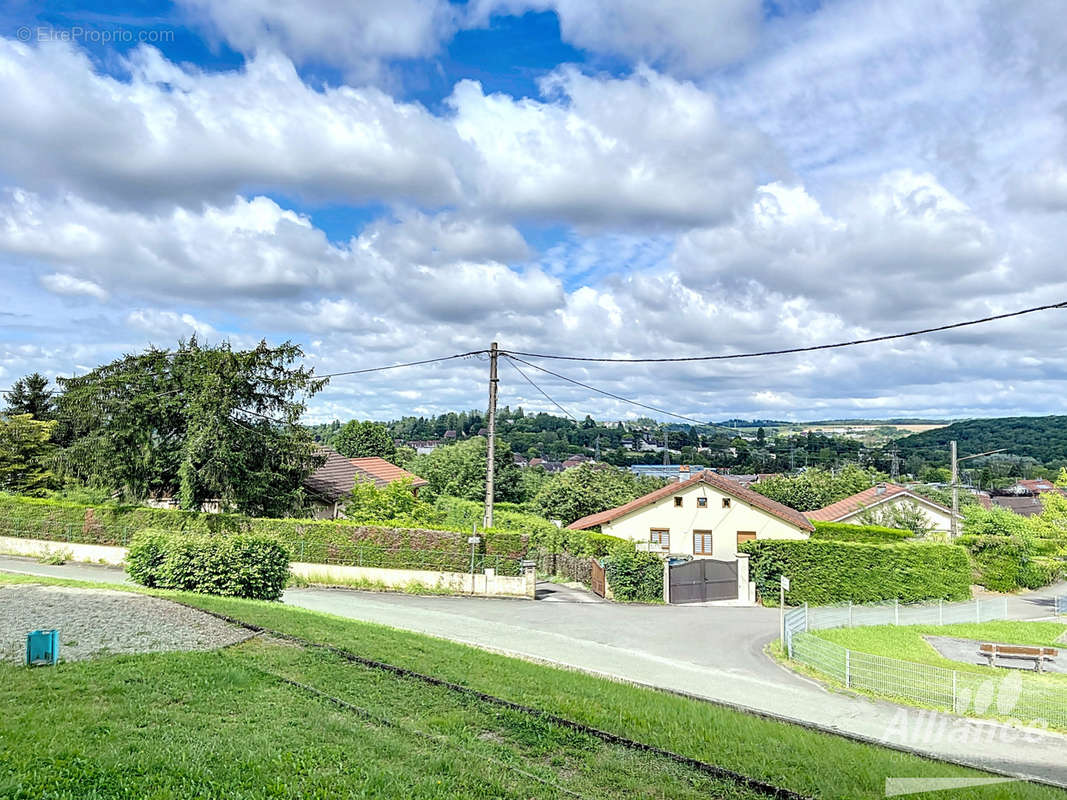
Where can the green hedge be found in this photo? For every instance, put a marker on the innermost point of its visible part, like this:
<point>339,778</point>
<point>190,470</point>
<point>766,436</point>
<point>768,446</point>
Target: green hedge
<point>865,534</point>
<point>325,541</point>
<point>634,576</point>
<point>822,572</point>
<point>1011,562</point>
<point>545,535</point>
<point>241,565</point>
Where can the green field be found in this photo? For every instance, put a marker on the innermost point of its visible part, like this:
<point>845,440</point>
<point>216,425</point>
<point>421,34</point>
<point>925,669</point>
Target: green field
<point>223,724</point>
<point>906,642</point>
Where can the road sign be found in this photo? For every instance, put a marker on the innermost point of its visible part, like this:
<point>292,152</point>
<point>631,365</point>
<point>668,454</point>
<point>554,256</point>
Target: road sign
<point>785,583</point>
<point>474,539</point>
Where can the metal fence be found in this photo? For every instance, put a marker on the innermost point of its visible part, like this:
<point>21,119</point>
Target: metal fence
<point>69,532</point>
<point>575,568</point>
<point>1061,604</point>
<point>1032,700</point>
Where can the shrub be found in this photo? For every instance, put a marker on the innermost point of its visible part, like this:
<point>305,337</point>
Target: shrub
<point>823,572</point>
<point>866,534</point>
<point>144,559</point>
<point>634,576</point>
<point>242,565</point>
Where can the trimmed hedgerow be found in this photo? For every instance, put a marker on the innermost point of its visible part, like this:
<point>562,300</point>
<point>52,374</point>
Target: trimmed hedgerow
<point>865,534</point>
<point>822,572</point>
<point>1010,562</point>
<point>330,541</point>
<point>239,565</point>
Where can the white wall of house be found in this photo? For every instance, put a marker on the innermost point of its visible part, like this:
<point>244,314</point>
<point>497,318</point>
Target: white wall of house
<point>724,523</point>
<point>938,518</point>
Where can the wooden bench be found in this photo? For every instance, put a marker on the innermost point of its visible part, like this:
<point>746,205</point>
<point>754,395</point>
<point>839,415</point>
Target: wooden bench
<point>1039,655</point>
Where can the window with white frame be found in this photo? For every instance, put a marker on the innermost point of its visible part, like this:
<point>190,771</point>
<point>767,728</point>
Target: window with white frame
<point>659,539</point>
<point>702,543</point>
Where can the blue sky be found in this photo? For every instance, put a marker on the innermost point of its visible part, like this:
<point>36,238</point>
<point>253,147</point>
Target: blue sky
<point>387,181</point>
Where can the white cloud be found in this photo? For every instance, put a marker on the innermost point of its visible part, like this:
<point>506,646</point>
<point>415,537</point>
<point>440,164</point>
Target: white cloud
<point>58,283</point>
<point>686,36</point>
<point>356,36</point>
<point>167,326</point>
<point>643,150</point>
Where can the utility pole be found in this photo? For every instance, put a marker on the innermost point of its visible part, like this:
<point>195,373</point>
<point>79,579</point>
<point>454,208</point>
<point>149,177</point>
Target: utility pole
<point>955,489</point>
<point>666,449</point>
<point>956,480</point>
<point>487,521</point>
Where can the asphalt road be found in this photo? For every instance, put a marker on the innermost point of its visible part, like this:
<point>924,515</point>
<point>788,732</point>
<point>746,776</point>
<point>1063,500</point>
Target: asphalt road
<point>714,653</point>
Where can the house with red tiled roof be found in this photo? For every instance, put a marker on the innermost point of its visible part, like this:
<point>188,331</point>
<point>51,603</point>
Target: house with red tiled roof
<point>706,516</point>
<point>331,483</point>
<point>882,496</point>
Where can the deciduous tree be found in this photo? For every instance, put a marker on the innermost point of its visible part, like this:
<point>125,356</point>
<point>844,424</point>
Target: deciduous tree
<point>361,439</point>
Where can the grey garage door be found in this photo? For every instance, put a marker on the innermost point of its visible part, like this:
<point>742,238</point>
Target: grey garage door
<point>703,579</point>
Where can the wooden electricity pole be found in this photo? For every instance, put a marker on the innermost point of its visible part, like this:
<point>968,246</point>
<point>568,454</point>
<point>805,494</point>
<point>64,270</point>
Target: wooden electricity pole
<point>487,520</point>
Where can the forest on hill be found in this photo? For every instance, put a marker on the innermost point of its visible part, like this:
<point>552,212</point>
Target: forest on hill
<point>1032,439</point>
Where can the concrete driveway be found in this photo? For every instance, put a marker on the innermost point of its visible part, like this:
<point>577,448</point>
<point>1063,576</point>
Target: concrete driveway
<point>713,653</point>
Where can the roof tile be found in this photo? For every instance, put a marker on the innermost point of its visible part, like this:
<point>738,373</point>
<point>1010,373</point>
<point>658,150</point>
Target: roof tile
<point>724,485</point>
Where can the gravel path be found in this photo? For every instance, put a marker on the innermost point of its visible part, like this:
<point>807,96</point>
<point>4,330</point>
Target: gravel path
<point>94,623</point>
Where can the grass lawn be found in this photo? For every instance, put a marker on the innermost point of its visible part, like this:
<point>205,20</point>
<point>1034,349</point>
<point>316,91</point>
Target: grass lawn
<point>906,642</point>
<point>214,724</point>
<point>220,724</point>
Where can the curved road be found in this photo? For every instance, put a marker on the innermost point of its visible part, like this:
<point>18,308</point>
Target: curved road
<point>714,653</point>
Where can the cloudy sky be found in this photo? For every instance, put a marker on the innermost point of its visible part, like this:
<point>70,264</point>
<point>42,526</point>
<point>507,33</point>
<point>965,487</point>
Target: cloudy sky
<point>392,180</point>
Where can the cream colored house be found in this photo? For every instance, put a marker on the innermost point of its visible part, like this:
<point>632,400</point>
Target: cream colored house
<point>854,509</point>
<point>706,516</point>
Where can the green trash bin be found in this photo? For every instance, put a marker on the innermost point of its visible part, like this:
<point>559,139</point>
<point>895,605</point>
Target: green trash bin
<point>42,648</point>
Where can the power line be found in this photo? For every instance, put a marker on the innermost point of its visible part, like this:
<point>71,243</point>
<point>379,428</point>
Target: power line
<point>399,366</point>
<point>852,343</point>
<point>538,388</point>
<point>607,393</point>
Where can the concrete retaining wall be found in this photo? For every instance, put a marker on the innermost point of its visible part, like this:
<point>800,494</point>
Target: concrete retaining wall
<point>486,585</point>
<point>39,548</point>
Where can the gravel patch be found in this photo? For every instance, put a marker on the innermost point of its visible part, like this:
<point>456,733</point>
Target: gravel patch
<point>92,623</point>
<point>966,651</point>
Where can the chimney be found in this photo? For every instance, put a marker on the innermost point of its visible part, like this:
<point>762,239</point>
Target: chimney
<point>879,488</point>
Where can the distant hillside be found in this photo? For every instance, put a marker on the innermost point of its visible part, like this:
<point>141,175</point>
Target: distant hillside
<point>1041,438</point>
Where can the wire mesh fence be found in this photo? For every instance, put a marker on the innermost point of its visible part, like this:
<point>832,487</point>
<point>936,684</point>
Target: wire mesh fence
<point>1032,699</point>
<point>60,531</point>
<point>575,568</point>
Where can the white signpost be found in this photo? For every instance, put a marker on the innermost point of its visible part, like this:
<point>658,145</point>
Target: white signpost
<point>784,587</point>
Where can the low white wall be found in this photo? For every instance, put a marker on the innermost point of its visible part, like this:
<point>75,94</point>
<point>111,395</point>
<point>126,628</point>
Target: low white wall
<point>38,548</point>
<point>486,585</point>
